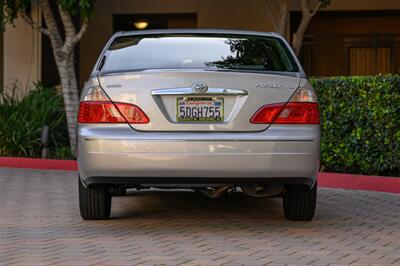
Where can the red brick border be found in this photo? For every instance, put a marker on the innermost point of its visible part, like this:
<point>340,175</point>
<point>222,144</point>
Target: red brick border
<point>331,180</point>
<point>359,182</point>
<point>32,163</point>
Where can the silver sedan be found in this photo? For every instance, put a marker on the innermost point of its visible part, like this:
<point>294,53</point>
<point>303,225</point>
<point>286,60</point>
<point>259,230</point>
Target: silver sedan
<point>210,110</point>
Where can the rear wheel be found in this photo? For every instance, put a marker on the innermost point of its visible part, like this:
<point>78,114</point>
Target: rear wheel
<point>94,202</point>
<point>299,202</point>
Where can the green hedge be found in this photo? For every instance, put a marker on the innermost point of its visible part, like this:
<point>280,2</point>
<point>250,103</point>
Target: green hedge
<point>360,124</point>
<point>22,120</point>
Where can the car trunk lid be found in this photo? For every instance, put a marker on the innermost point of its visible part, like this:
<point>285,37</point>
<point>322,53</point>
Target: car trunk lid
<point>159,92</point>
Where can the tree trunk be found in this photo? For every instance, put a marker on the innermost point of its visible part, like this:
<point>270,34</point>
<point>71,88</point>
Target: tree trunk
<point>299,35</point>
<point>69,84</point>
<point>307,15</point>
<point>63,51</point>
<point>283,17</point>
<point>278,12</point>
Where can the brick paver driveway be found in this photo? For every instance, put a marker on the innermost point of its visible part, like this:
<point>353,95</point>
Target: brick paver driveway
<point>40,225</point>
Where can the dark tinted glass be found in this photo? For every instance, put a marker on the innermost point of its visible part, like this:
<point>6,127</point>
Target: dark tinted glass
<point>199,51</point>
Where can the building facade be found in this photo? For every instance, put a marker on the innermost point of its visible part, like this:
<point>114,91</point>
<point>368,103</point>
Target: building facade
<point>358,37</point>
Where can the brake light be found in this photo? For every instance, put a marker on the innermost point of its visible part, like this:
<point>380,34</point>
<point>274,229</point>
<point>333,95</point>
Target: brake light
<point>96,107</point>
<point>301,109</point>
<point>108,112</point>
<point>267,113</point>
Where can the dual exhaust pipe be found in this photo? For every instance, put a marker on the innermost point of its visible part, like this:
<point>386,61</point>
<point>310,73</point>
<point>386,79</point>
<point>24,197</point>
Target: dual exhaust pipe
<point>252,190</point>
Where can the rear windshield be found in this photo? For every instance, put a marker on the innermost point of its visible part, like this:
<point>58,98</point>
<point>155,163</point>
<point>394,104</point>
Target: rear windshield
<point>198,51</point>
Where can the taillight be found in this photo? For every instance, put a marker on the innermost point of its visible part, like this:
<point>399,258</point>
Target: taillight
<point>107,112</point>
<point>95,107</point>
<point>301,109</point>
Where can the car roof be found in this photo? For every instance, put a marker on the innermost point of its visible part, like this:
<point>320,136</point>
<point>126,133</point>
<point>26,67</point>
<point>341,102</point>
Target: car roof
<point>194,31</point>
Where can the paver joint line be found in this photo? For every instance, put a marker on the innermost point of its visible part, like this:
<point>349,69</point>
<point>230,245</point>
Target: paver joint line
<point>40,224</point>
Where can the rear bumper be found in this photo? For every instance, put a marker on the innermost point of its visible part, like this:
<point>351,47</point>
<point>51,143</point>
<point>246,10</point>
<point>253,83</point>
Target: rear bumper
<point>193,182</point>
<point>119,155</point>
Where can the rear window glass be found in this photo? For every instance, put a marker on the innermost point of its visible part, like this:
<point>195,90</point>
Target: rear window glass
<point>198,51</point>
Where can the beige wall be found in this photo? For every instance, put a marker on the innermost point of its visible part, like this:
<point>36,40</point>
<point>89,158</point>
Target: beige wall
<point>100,28</point>
<point>21,55</point>
<point>345,5</point>
<point>22,44</point>
<point>224,14</point>
<point>233,14</point>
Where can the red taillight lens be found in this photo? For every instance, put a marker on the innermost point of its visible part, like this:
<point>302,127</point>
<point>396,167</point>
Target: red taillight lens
<point>132,113</point>
<point>289,113</point>
<point>267,114</point>
<point>299,113</point>
<point>108,112</point>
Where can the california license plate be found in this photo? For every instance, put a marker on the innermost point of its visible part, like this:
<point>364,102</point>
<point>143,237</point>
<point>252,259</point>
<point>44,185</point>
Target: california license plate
<point>200,109</point>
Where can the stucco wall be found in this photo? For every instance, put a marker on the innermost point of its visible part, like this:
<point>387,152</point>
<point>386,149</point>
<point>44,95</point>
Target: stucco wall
<point>233,14</point>
<point>21,55</point>
<point>101,27</point>
<point>352,5</point>
<point>22,44</point>
<point>226,14</point>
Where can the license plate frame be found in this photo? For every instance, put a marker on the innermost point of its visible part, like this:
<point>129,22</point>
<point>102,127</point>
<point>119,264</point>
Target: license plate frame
<point>197,103</point>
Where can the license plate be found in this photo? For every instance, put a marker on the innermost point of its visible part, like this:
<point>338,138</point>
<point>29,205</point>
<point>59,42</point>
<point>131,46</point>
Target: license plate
<point>200,109</point>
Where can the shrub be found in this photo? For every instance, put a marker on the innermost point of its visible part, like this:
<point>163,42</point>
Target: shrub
<point>22,120</point>
<point>360,124</point>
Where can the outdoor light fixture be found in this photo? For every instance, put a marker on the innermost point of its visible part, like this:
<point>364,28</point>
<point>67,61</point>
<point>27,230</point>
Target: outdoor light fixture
<point>141,24</point>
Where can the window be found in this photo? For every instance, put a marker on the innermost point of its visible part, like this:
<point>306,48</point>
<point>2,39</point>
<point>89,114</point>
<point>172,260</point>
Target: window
<point>199,51</point>
<point>369,60</point>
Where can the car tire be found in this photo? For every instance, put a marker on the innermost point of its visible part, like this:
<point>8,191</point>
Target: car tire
<point>94,202</point>
<point>299,202</point>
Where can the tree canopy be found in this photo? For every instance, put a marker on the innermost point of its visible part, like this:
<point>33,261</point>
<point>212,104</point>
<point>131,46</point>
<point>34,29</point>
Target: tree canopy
<point>11,8</point>
<point>278,11</point>
<point>62,42</point>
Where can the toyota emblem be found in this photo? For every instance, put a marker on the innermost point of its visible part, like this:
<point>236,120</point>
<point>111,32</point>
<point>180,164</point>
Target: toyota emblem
<point>199,87</point>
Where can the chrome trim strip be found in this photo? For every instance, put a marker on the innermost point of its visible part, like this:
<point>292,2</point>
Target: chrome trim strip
<point>188,91</point>
<point>203,140</point>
